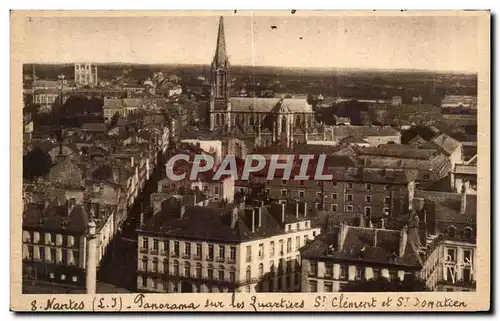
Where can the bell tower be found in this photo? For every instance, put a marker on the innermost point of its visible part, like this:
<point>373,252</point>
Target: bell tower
<point>220,83</point>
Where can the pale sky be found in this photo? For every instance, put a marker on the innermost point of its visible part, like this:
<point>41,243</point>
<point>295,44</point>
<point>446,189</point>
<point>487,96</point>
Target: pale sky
<point>444,43</point>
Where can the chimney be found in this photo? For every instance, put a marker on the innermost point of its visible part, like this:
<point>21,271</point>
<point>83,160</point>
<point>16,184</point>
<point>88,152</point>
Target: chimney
<point>463,203</point>
<point>342,235</point>
<point>142,219</point>
<point>403,239</point>
<point>234,217</point>
<point>182,210</point>
<point>383,224</point>
<point>297,209</point>
<point>257,212</point>
<point>361,220</point>
<point>305,208</point>
<point>282,213</point>
<point>374,236</point>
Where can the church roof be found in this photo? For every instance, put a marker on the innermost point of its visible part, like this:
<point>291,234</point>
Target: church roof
<point>266,105</point>
<point>220,57</point>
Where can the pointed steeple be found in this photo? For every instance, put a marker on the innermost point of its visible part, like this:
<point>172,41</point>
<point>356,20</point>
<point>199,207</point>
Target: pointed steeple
<point>220,57</point>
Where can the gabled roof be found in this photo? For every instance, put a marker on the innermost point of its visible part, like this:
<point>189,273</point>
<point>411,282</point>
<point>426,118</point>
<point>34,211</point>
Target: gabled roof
<point>446,143</point>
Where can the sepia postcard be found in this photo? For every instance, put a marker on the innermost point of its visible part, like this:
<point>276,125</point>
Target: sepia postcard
<point>250,161</point>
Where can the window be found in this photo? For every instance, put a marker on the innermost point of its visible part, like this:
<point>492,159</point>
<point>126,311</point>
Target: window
<point>232,253</point>
<point>313,286</point>
<point>349,197</point>
<point>306,238</point>
<point>232,276</point>
<point>210,252</point>
<point>368,210</point>
<point>165,266</point>
<point>198,250</point>
<point>248,289</point>
<point>145,243</point>
<point>313,269</point>
<point>387,200</point>
<point>187,269</point>
<point>451,231</point>
<point>344,272</point>
<point>155,244</point>
<point>377,274</point>
<point>334,196</point>
<point>261,250</point>
<point>216,190</point>
<point>176,267</point>
<point>468,232</point>
<point>284,182</point>
<point>328,270</point>
<point>368,199</point>
<point>261,270</point>
<point>198,270</point>
<point>249,273</point>
<point>221,273</point>
<point>306,224</point>
<point>301,193</point>
<point>249,253</point>
<point>289,245</point>
<point>387,187</point>
<point>166,246</point>
<point>280,283</point>
<point>222,252</point>
<point>210,272</point>
<point>335,208</point>
<point>467,256</point>
<point>289,265</point>
<point>267,190</point>
<point>281,248</point>
<point>284,192</point>
<point>319,206</point>
<point>63,277</point>
<point>466,274</point>
<point>155,264</point>
<point>144,281</point>
<point>187,249</point>
<point>386,211</point>
<point>451,255</point>
<point>393,275</point>
<point>328,287</point>
<point>368,187</point>
<point>297,243</point>
<point>74,279</point>
<point>349,208</point>
<point>176,248</point>
<point>349,185</point>
<point>318,194</point>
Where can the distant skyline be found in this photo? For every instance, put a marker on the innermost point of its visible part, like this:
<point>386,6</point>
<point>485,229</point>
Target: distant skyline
<point>441,43</point>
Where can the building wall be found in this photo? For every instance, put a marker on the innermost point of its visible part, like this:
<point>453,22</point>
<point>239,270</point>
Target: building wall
<point>53,257</point>
<point>342,196</point>
<point>320,276</point>
<point>164,277</point>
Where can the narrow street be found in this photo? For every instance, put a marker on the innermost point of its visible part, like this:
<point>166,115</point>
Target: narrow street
<point>118,268</point>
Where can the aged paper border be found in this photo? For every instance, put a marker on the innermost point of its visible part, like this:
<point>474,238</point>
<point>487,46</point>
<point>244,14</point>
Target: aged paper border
<point>475,301</point>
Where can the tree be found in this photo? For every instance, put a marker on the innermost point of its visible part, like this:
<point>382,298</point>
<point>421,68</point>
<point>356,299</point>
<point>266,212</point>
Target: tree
<point>409,284</point>
<point>36,163</point>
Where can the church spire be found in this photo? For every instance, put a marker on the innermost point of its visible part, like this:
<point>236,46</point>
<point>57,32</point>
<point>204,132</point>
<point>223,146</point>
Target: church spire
<point>220,57</point>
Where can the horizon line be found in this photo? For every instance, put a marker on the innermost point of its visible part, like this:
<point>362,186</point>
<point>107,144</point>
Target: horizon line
<point>468,72</point>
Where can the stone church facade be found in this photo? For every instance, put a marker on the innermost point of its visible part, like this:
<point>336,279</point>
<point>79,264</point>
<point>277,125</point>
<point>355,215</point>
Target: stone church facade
<point>264,121</point>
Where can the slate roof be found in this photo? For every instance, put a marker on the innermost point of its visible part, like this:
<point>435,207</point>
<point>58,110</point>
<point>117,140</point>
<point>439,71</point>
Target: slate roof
<point>54,217</point>
<point>266,105</point>
<point>359,246</point>
<point>395,150</point>
<point>446,143</point>
<point>209,223</point>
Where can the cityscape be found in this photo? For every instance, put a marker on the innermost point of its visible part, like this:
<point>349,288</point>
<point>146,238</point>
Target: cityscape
<point>394,212</point>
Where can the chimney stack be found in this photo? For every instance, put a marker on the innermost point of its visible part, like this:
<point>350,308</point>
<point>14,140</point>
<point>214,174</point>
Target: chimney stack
<point>383,223</point>
<point>182,210</point>
<point>257,212</point>
<point>463,203</point>
<point>374,236</point>
<point>282,212</point>
<point>234,217</point>
<point>297,209</point>
<point>342,235</point>
<point>403,239</point>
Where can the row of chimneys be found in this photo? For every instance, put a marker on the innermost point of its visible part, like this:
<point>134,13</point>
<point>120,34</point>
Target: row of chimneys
<point>403,238</point>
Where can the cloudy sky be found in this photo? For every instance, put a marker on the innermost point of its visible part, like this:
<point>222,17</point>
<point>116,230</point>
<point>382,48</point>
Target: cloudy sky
<point>445,43</point>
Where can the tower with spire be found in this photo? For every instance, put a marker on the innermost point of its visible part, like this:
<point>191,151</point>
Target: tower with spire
<point>220,83</point>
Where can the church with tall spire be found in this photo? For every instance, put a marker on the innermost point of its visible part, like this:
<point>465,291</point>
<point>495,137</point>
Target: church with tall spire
<point>265,121</point>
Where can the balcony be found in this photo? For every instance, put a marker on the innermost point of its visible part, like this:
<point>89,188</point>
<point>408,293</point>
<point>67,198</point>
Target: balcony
<point>143,250</point>
<point>232,260</point>
<point>154,252</point>
<point>220,260</point>
<point>209,258</point>
<point>186,256</point>
<point>197,257</point>
<point>175,255</point>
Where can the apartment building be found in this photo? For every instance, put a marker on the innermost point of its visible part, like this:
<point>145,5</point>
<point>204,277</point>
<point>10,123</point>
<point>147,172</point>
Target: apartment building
<point>352,189</point>
<point>55,244</point>
<point>449,251</point>
<point>348,254</point>
<point>222,249</point>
